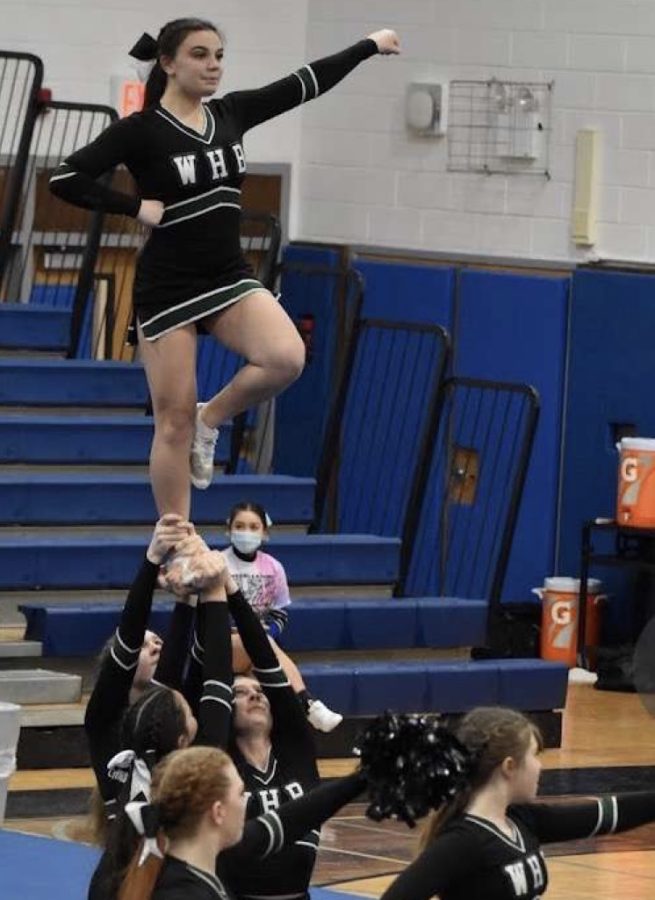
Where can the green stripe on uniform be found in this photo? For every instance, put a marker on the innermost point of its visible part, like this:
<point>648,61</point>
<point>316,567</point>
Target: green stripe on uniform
<point>197,308</point>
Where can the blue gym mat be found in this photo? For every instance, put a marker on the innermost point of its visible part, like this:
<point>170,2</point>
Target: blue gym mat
<point>37,868</point>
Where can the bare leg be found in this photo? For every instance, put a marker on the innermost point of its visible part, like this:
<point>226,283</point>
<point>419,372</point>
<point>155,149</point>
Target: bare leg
<point>241,663</point>
<point>259,329</point>
<point>170,365</point>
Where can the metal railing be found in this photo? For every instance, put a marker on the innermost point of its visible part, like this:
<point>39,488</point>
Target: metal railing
<point>21,77</point>
<point>380,425</point>
<point>466,501</point>
<point>68,257</point>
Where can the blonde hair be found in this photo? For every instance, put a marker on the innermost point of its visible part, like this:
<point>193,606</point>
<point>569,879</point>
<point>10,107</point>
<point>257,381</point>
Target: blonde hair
<point>184,786</point>
<point>491,733</point>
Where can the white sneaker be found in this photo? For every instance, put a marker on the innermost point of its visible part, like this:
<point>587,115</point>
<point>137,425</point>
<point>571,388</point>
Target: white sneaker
<point>322,718</point>
<point>203,449</point>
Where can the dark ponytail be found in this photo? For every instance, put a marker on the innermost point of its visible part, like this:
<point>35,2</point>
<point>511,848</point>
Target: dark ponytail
<point>155,86</point>
<point>167,44</point>
<point>152,728</point>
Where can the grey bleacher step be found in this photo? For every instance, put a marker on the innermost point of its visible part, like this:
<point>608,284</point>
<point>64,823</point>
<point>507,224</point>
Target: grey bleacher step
<point>14,353</point>
<point>74,469</point>
<point>30,686</point>
<point>120,498</point>
<point>16,649</point>
<point>113,531</point>
<point>11,600</point>
<point>54,715</point>
<point>72,412</point>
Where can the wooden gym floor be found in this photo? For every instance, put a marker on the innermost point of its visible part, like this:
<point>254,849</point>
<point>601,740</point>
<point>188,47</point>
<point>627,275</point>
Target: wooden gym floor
<point>608,745</point>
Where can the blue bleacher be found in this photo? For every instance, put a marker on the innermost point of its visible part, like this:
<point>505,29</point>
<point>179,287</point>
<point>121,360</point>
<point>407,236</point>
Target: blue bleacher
<point>93,561</point>
<point>351,627</point>
<point>26,327</point>
<point>60,382</point>
<point>63,499</point>
<point>357,686</point>
<point>436,686</point>
<point>315,624</point>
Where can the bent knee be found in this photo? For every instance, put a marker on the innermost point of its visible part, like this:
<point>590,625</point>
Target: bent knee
<point>175,424</point>
<point>290,362</point>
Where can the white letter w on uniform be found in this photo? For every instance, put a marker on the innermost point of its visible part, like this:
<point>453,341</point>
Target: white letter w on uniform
<point>186,166</point>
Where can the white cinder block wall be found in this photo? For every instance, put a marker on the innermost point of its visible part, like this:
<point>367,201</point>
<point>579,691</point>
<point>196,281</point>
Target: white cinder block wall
<point>358,176</point>
<point>365,180</point>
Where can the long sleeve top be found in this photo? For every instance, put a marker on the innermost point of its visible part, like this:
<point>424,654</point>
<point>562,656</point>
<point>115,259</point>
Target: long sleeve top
<point>263,837</point>
<point>197,175</point>
<point>110,696</point>
<point>291,770</point>
<point>472,859</point>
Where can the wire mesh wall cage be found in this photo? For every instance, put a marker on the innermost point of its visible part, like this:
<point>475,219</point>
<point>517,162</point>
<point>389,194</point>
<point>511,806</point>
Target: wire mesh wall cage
<point>500,127</point>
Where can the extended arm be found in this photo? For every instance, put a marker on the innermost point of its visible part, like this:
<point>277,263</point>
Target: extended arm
<point>552,822</point>
<point>253,107</point>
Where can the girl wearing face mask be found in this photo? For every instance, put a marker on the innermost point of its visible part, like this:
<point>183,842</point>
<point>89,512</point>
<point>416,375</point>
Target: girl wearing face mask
<point>263,582</point>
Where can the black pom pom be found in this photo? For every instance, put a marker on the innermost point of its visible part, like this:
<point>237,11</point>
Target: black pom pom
<point>413,765</point>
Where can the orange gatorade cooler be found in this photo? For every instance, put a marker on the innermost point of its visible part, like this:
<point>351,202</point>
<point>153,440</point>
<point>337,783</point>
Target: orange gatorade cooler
<point>636,498</point>
<point>559,618</point>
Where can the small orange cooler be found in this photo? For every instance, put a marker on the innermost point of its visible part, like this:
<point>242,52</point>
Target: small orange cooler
<point>559,618</point>
<point>636,495</point>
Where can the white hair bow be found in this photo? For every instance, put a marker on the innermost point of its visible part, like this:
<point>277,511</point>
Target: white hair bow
<point>127,764</point>
<point>145,818</point>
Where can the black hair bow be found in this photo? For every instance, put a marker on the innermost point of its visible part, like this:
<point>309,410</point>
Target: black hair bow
<point>145,48</point>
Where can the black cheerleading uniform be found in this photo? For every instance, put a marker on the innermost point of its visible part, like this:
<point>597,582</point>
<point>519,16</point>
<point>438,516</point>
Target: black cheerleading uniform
<point>291,772</point>
<point>215,710</point>
<point>472,859</point>
<point>263,838</point>
<point>110,696</point>
<point>192,264</point>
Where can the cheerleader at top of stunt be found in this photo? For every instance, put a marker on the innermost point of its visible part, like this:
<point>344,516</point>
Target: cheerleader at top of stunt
<point>185,153</point>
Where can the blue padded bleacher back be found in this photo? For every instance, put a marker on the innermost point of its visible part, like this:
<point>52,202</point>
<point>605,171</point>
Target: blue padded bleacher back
<point>62,296</point>
<point>458,687</point>
<point>528,683</point>
<point>409,293</point>
<point>610,381</point>
<point>314,624</point>
<point>27,326</point>
<point>513,328</point>
<point>478,462</point>
<point>371,625</point>
<point>310,283</point>
<point>334,683</point>
<point>91,561</point>
<point>379,425</point>
<point>398,685</point>
<point>450,622</point>
<point>82,630</point>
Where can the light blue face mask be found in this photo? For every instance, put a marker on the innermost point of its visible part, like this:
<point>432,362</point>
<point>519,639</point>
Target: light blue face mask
<point>246,542</point>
